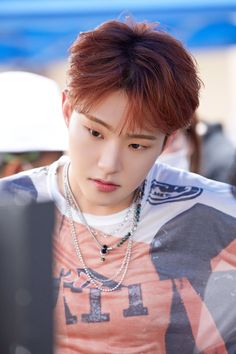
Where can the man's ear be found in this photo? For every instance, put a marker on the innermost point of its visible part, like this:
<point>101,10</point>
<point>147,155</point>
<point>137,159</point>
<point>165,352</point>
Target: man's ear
<point>168,141</point>
<point>66,107</point>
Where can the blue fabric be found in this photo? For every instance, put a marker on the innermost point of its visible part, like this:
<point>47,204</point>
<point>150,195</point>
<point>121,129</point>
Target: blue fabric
<point>34,33</point>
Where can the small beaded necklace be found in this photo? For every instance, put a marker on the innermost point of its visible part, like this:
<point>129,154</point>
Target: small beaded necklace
<point>99,233</point>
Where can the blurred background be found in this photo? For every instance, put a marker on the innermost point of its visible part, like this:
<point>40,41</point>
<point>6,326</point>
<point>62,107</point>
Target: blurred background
<point>35,36</point>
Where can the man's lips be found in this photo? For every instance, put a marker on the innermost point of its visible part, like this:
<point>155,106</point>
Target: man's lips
<point>105,182</point>
<point>105,186</point>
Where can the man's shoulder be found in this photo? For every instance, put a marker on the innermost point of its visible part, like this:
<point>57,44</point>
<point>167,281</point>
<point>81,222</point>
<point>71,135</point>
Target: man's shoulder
<point>179,177</point>
<point>171,185</point>
<point>24,186</point>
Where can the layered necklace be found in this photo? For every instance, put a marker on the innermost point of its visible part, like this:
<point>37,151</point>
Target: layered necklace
<point>104,249</point>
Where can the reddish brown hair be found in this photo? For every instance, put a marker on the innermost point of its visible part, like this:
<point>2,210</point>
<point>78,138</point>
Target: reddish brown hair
<point>195,142</point>
<point>153,68</point>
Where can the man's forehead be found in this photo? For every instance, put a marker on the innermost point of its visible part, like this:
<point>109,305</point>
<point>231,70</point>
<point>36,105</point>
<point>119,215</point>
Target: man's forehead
<point>133,118</point>
<point>130,129</point>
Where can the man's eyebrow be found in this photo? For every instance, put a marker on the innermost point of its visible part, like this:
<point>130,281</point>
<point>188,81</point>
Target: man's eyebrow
<point>109,127</point>
<point>97,120</point>
<point>142,136</point>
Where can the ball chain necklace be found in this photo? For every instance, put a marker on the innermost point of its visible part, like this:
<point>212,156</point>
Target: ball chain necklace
<point>98,282</point>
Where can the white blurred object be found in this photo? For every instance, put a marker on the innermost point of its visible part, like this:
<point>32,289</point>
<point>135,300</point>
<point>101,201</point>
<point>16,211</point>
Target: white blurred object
<point>178,159</point>
<point>30,113</point>
<point>177,151</point>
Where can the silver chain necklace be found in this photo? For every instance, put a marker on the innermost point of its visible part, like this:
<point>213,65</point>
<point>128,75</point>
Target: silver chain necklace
<point>98,282</point>
<point>103,248</point>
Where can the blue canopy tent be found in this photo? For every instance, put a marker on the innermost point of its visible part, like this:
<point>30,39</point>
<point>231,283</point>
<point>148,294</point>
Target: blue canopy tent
<point>34,33</point>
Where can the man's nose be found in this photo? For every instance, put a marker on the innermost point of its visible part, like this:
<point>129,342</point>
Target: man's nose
<point>110,158</point>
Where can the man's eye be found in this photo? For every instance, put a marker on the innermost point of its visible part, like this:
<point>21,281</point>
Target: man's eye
<point>95,133</point>
<point>137,146</point>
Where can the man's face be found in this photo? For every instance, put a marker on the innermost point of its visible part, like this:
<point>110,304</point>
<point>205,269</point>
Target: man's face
<point>107,165</point>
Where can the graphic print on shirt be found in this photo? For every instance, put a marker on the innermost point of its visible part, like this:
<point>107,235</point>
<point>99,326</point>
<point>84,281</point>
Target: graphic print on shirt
<point>161,193</point>
<point>195,281</point>
<point>138,306</point>
<point>187,295</point>
<point>135,308</point>
<point>172,314</point>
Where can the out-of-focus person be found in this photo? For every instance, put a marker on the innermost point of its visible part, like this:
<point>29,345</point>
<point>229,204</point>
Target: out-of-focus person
<point>233,175</point>
<point>203,148</point>
<point>184,149</point>
<point>32,129</point>
<point>218,153</point>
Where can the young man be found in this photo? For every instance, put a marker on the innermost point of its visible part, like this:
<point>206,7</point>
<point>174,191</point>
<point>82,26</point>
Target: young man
<point>144,254</point>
